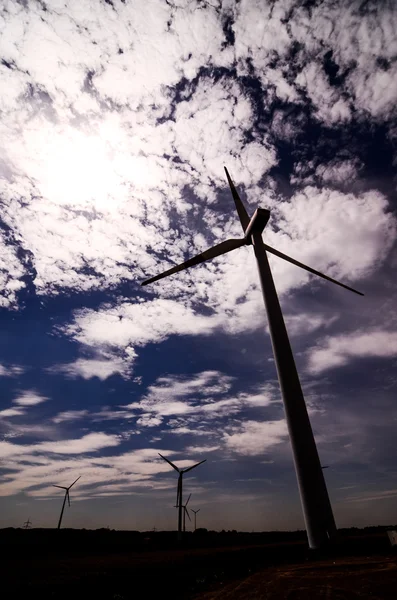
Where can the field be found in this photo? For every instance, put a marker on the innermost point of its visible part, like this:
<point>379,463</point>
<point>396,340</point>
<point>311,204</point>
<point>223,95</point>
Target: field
<point>113,565</point>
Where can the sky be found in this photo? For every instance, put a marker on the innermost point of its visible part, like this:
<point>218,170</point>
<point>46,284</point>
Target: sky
<point>117,118</point>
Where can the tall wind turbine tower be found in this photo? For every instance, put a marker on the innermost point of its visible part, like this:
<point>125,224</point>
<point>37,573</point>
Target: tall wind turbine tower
<point>179,504</point>
<point>62,487</point>
<point>317,510</point>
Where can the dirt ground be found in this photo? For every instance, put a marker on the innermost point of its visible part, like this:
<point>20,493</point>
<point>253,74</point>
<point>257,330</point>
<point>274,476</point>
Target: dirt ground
<point>372,578</point>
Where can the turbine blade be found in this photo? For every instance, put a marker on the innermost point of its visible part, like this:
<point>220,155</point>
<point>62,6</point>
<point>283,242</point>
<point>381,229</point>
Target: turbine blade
<point>242,213</point>
<point>213,252</point>
<point>188,500</point>
<point>194,466</point>
<point>67,493</point>
<point>62,487</point>
<point>169,462</point>
<point>74,483</point>
<point>198,510</point>
<point>299,264</point>
<point>187,512</point>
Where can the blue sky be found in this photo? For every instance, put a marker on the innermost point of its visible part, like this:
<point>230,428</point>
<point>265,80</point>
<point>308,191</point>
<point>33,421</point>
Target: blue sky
<point>116,121</point>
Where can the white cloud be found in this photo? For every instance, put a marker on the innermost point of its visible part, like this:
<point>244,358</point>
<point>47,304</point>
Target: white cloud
<point>92,367</point>
<point>203,384</point>
<point>192,400</point>
<point>149,421</point>
<point>182,430</point>
<point>336,172</point>
<point>328,101</point>
<point>88,443</point>
<point>201,449</point>
<point>32,471</point>
<point>11,273</point>
<point>307,323</point>
<point>254,437</point>
<point>340,350</point>
<point>10,370</point>
<point>342,235</point>
<point>108,414</point>
<point>29,398</point>
<point>230,113</point>
<point>367,34</point>
<point>266,33</point>
<point>11,412</point>
<point>339,171</point>
<point>261,32</point>
<point>70,415</point>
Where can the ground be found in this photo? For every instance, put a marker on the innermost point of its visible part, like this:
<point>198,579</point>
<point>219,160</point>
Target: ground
<point>124,565</point>
<point>340,579</point>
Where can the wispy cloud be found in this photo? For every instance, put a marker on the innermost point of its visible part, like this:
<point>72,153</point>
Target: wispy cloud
<point>372,497</point>
<point>29,398</point>
<point>33,468</point>
<point>255,438</point>
<point>205,396</point>
<point>88,443</point>
<point>11,412</point>
<point>91,367</point>
<point>11,370</point>
<point>340,350</point>
<point>201,449</point>
<point>70,415</point>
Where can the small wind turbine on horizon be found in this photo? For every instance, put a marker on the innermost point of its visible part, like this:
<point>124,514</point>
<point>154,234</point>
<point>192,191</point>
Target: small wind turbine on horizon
<point>195,517</point>
<point>27,524</point>
<point>67,495</point>
<point>317,510</point>
<point>179,504</point>
<point>185,513</point>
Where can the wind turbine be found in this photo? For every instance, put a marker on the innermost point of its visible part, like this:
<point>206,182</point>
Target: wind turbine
<point>317,510</point>
<point>179,505</point>
<point>27,524</point>
<point>195,517</point>
<point>62,487</point>
<point>185,512</point>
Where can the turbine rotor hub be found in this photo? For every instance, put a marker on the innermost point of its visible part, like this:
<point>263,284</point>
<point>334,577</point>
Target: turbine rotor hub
<point>258,223</point>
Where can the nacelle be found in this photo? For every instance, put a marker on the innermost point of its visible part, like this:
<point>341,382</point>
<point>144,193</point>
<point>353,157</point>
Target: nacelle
<point>257,223</point>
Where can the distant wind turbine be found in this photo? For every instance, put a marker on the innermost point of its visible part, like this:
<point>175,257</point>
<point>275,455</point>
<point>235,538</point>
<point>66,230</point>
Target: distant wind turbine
<point>185,513</point>
<point>179,490</point>
<point>62,487</point>
<point>27,524</point>
<point>317,510</point>
<point>195,517</point>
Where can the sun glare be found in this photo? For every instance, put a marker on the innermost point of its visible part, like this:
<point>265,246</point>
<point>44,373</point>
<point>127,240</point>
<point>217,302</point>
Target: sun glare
<point>79,171</point>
